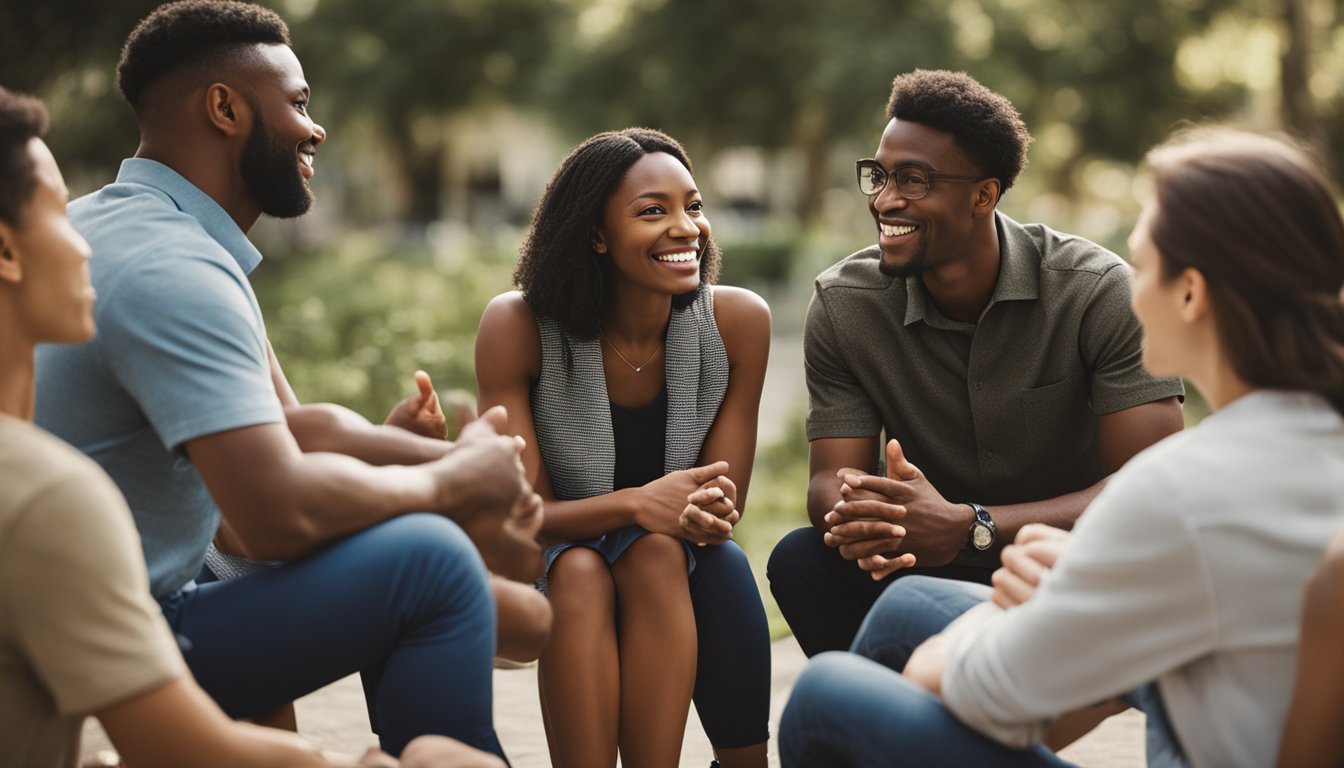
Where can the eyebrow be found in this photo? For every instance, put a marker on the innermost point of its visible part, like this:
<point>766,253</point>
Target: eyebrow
<point>661,195</point>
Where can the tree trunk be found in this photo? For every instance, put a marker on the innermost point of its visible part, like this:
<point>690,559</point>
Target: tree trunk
<point>1298,107</point>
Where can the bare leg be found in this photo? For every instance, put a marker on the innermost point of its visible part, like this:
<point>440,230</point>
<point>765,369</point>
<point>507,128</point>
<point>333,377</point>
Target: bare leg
<point>753,756</point>
<point>579,675</point>
<point>658,651</point>
<point>523,620</point>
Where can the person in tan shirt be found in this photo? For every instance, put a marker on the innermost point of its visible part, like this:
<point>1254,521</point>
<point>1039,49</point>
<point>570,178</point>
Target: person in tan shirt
<point>79,632</point>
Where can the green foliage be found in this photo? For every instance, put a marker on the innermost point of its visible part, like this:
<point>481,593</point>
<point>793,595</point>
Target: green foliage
<point>352,324</point>
<point>751,262</point>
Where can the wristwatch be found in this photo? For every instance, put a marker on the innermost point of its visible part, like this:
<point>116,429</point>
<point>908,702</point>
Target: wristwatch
<point>983,532</point>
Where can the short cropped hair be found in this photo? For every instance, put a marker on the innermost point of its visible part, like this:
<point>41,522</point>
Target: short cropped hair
<point>192,33</point>
<point>984,125</point>
<point>22,118</point>
<point>560,275</point>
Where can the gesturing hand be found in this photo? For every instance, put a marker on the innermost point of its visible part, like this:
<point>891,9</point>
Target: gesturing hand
<point>711,512</point>
<point>482,476</point>
<point>1025,562</point>
<point>663,501</point>
<point>420,413</point>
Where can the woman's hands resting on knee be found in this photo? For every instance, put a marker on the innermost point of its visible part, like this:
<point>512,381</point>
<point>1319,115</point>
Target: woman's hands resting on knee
<point>696,504</point>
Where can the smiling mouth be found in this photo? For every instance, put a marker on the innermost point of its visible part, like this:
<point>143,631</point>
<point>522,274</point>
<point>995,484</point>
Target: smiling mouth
<point>677,257</point>
<point>893,230</point>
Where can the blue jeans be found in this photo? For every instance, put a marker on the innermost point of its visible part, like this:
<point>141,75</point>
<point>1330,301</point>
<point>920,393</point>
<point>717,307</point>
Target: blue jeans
<point>919,607</point>
<point>406,603</point>
<point>850,711</point>
<point>824,597</point>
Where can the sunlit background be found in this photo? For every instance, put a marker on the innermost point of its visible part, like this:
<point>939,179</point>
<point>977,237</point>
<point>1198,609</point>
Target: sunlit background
<point>446,117</point>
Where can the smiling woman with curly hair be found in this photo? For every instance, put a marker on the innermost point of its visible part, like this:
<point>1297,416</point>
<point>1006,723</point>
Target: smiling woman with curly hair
<point>635,383</point>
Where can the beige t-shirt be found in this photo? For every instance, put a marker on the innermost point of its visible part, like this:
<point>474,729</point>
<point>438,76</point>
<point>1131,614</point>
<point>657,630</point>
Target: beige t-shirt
<point>78,629</point>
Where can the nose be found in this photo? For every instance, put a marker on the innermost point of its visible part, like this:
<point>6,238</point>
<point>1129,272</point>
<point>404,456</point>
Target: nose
<point>684,225</point>
<point>319,134</point>
<point>888,198</point>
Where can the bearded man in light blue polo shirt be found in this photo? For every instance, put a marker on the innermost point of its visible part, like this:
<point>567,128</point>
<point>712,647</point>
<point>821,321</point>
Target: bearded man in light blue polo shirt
<point>181,401</point>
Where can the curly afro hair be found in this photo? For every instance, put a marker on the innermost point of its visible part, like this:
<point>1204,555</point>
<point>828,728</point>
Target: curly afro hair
<point>192,33</point>
<point>559,273</point>
<point>985,125</point>
<point>22,118</point>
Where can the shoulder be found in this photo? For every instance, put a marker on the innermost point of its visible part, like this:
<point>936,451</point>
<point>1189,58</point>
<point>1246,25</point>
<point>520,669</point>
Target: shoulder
<point>743,319</point>
<point>1059,251</point>
<point>739,305</point>
<point>508,334</point>
<point>859,270</point>
<point>35,465</point>
<point>508,311</point>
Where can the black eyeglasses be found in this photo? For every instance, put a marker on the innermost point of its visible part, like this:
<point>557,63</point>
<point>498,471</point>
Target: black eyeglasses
<point>912,181</point>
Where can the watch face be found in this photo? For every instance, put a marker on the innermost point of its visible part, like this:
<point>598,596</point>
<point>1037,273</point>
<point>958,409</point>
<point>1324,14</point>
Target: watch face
<point>982,537</point>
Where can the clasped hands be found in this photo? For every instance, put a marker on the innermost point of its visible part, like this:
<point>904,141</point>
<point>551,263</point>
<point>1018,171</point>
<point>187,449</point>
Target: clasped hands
<point>890,522</point>
<point>698,505</point>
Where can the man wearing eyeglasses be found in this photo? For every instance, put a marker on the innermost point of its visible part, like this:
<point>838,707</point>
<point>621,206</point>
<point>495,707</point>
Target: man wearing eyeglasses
<point>1001,360</point>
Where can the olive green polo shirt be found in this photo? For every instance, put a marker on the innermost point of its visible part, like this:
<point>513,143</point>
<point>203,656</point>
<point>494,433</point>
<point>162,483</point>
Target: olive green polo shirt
<point>1001,411</point>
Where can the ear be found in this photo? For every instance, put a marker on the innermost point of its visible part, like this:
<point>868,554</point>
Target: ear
<point>987,194</point>
<point>11,265</point>
<point>1194,295</point>
<point>227,110</point>
<point>599,241</point>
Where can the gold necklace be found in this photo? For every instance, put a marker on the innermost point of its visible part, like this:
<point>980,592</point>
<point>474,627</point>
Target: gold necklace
<point>633,367</point>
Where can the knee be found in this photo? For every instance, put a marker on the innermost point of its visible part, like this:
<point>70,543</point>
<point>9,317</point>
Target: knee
<point>909,612</point>
<point>524,621</point>
<point>652,558</point>
<point>428,547</point>
<point>791,557</point>
<point>580,583</point>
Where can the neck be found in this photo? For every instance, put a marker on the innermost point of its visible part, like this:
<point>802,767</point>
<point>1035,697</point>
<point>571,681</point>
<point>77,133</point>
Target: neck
<point>210,168</point>
<point>17,392</point>
<point>637,319</point>
<point>1220,385</point>
<point>963,287</point>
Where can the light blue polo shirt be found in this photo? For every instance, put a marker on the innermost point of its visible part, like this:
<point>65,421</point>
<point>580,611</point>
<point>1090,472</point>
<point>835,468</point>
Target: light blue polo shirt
<point>180,354</point>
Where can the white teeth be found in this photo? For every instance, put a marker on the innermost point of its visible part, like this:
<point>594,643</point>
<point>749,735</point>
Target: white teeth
<point>683,256</point>
<point>306,159</point>
<point>891,231</point>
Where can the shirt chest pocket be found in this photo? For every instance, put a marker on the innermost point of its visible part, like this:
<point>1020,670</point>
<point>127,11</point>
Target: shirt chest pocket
<point>1060,433</point>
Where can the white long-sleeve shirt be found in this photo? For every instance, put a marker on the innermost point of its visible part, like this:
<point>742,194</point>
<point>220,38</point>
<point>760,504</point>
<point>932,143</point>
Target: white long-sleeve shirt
<point>1187,569</point>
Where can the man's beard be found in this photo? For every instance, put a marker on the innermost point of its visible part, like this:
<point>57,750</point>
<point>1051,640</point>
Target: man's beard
<point>270,170</point>
<point>912,268</point>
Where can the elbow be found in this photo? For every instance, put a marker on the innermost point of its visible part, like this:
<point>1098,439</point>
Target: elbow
<point>286,533</point>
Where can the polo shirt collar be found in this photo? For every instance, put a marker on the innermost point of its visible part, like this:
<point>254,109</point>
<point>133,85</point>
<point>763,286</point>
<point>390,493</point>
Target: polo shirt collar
<point>192,201</point>
<point>1019,273</point>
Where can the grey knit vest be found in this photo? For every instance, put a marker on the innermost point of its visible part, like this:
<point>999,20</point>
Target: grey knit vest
<point>572,413</point>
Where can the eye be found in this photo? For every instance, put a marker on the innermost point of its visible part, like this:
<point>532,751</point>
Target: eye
<point>302,106</point>
<point>652,210</point>
<point>696,207</point>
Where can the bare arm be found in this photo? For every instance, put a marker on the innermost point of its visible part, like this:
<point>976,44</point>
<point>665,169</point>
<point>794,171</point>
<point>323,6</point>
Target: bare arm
<point>282,503</point>
<point>1311,736</point>
<point>905,513</point>
<point>328,428</point>
<point>177,724</point>
<point>508,361</point>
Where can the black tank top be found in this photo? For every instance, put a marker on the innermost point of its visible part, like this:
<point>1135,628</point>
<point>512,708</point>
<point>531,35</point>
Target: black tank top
<point>639,436</point>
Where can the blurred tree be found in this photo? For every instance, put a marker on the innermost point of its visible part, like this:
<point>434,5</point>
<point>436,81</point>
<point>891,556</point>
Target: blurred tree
<point>65,51</point>
<point>404,66</point>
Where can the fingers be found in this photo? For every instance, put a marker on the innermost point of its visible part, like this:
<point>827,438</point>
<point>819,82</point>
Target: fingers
<point>863,530</point>
<point>863,510</point>
<point>425,386</point>
<point>704,528</point>
<point>497,417</point>
<point>1040,532</point>
<point>857,550</point>
<point>702,475</point>
<point>1019,577</point>
<point>874,486</point>
<point>898,467</point>
<point>880,567</point>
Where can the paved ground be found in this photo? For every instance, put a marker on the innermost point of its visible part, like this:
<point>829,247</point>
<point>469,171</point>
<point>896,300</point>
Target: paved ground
<point>334,717</point>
